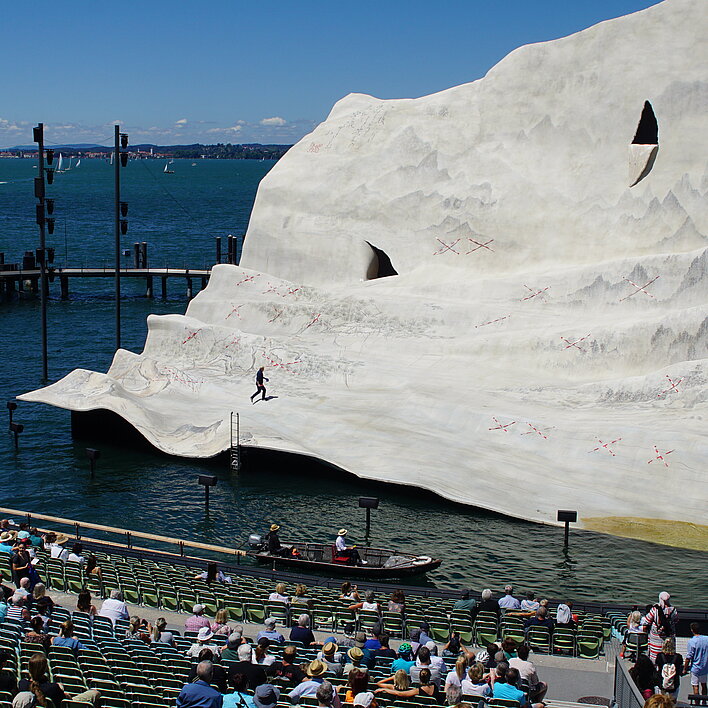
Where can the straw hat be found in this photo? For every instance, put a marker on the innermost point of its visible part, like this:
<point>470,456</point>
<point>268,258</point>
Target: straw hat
<point>316,668</point>
<point>61,538</point>
<point>329,648</point>
<point>342,532</point>
<point>274,527</point>
<point>6,536</point>
<point>355,654</point>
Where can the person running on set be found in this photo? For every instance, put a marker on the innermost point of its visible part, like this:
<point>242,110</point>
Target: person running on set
<point>260,386</point>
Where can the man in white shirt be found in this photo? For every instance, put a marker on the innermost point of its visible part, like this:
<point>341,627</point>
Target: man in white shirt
<point>56,547</point>
<point>348,551</point>
<point>114,608</point>
<point>509,602</point>
<point>75,555</point>
<point>527,670</point>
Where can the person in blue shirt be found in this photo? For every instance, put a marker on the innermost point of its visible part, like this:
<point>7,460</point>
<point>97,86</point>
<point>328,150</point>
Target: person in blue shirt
<point>505,687</point>
<point>239,698</point>
<point>697,660</point>
<point>66,638</point>
<point>404,660</point>
<point>7,542</point>
<point>200,694</point>
<point>270,632</point>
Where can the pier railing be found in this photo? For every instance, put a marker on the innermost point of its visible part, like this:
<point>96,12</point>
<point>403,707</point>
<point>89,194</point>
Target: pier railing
<point>626,693</point>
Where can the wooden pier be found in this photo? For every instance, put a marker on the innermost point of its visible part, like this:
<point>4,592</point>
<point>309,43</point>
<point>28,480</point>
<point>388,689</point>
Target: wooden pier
<point>12,281</point>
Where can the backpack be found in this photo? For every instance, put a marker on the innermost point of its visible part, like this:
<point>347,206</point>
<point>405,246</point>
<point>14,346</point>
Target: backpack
<point>663,623</point>
<point>668,677</point>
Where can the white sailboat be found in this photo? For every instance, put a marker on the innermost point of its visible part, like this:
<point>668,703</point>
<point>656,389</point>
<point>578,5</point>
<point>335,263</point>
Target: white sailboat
<point>60,163</point>
<point>167,169</point>
<point>78,162</point>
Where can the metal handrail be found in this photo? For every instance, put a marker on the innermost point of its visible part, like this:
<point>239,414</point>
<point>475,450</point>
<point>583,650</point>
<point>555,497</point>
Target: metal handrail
<point>626,693</point>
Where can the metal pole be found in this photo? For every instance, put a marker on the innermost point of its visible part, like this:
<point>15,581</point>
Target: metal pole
<point>567,530</point>
<point>116,169</point>
<point>368,524</point>
<point>206,499</point>
<point>42,246</point>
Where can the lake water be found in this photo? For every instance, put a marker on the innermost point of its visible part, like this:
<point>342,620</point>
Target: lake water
<point>179,215</point>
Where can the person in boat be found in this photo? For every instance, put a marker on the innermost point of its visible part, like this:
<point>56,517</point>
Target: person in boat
<point>275,548</point>
<point>347,551</point>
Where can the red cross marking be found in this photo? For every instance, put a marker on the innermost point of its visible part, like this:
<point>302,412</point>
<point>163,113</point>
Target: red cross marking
<point>235,311</point>
<point>534,293</point>
<point>639,288</point>
<point>500,426</point>
<point>192,335</point>
<point>480,245</point>
<point>660,456</point>
<point>606,446</point>
<point>316,318</point>
<point>247,279</point>
<point>575,343</point>
<point>291,291</point>
<point>535,430</point>
<point>673,386</point>
<point>447,247</point>
<point>276,315</point>
<point>235,340</point>
<point>499,319</point>
<point>271,289</point>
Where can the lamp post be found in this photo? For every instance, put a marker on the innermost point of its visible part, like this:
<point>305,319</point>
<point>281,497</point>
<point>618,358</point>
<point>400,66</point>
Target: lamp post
<point>16,429</point>
<point>207,481</point>
<point>368,503</point>
<point>120,159</point>
<point>11,408</point>
<point>567,517</point>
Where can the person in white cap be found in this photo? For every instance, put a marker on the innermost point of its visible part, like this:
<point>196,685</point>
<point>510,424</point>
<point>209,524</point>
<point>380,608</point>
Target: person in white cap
<point>202,642</point>
<point>270,632</point>
<point>196,620</point>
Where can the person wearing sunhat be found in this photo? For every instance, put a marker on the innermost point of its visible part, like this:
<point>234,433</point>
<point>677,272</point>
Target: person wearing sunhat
<point>7,541</point>
<point>56,546</point>
<point>330,655</point>
<point>202,642</point>
<point>348,551</point>
<point>266,696</point>
<point>275,548</point>
<point>356,657</point>
<point>315,676</point>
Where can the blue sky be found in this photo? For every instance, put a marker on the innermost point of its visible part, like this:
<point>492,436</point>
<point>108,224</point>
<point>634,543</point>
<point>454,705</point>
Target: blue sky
<point>231,71</point>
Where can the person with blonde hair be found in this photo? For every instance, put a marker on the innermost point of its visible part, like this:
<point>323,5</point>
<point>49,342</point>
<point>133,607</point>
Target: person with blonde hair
<point>669,667</point>
<point>300,597</point>
<point>659,700</point>
<point>398,685</point>
<point>279,594</point>
<point>220,624</point>
<point>474,684</point>
<point>460,671</point>
<point>634,621</point>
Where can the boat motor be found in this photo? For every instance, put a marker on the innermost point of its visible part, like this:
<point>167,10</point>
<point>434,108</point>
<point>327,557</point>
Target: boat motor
<point>255,541</point>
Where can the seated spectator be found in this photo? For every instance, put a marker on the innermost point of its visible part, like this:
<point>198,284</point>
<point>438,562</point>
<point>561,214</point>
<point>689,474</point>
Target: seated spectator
<point>279,594</point>
<point>669,667</point>
<point>541,619</point>
<point>508,601</point>
<point>114,608</point>
<point>302,632</point>
<point>36,538</point>
<point>405,660</point>
<point>331,658</point>
<point>42,608</point>
<point>23,588</point>
<point>92,567</point>
<point>36,634</point>
<point>474,683</point>
<point>366,699</point>
<point>270,632</point>
<point>218,676</point>
<point>326,695</point>
<point>454,647</point>
<point>66,638</point>
<point>530,604</point>
<point>633,627</point>
<point>397,603</point>
<point>75,555</point>
<point>487,604</point>
<point>7,542</point>
<point>384,649</point>
<point>213,574</point>
<point>266,696</point>
<point>643,674</point>
<point>697,660</point>
<point>349,592</point>
<point>40,593</point>
<point>373,643</point>
<point>436,661</point>
<point>203,641</point>
<point>39,684</point>
<point>369,604</point>
<point>508,649</point>
<point>465,602</point>
<point>220,625</point>
<point>196,620</point>
<point>453,697</point>
<point>160,633</point>
<point>84,604</point>
<point>239,698</point>
<point>457,675</point>
<point>414,637</point>
<point>357,682</point>
<point>139,629</point>
<point>428,687</point>
<point>398,685</point>
<point>356,657</point>
<point>254,672</point>
<point>8,681</point>
<point>659,700</point>
<point>260,653</point>
<point>16,609</point>
<point>505,687</point>
<point>423,662</point>
<point>200,694</point>
<point>230,651</point>
<point>315,671</point>
<point>301,598</point>
<point>527,671</point>
<point>288,668</point>
<point>424,637</point>
<point>564,617</point>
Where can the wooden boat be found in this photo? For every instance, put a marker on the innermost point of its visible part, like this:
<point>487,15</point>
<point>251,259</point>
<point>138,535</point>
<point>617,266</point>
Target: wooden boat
<point>321,558</point>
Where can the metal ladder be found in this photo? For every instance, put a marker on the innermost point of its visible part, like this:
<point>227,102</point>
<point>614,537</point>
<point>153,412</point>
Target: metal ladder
<point>235,449</point>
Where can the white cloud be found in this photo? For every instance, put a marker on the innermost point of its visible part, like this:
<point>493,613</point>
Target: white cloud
<point>275,120</point>
<point>181,122</point>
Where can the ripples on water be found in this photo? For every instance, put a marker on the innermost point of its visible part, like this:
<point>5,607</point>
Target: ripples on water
<point>160,495</point>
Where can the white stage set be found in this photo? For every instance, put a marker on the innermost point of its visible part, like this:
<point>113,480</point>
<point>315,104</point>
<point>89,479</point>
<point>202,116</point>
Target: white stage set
<point>497,292</point>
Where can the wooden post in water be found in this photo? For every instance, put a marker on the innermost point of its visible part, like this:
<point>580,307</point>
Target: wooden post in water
<point>148,286</point>
<point>144,253</point>
<point>64,286</point>
<point>164,287</point>
<point>218,249</point>
<point>136,255</point>
<point>189,288</point>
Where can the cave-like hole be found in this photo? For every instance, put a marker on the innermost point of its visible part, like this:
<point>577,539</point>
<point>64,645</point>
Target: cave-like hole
<point>648,129</point>
<point>380,266</point>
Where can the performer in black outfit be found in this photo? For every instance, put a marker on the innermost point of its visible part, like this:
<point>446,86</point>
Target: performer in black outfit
<point>260,386</point>
<point>274,547</point>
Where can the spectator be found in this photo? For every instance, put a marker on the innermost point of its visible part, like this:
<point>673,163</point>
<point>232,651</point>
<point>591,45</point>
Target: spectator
<point>139,629</point>
<point>302,632</point>
<point>92,567</point>
<point>384,649</point>
<point>530,603</point>
<point>230,651</point>
<point>36,538</point>
<point>660,623</point>
<point>540,620</point>
<point>474,684</point>
<point>288,669</point>
<point>84,604</point>
<point>633,627</point>
<point>260,653</point>
<point>669,666</point>
<point>196,620</point>
<point>659,700</point>
<point>453,696</point>
<point>16,609</point>
<point>7,542</point>
<point>66,638</point>
<point>36,634</point>
<point>505,687</point>
<point>356,656</point>
<point>75,555</point>
<point>697,660</point>
<point>456,676</point>
<point>40,593</point>
<point>114,608</point>
<point>203,641</point>
<point>213,574</point>
<point>423,662</point>
<point>357,682</point>
<point>266,696</point>
<point>254,672</point>
<point>160,633</point>
<point>218,676</point>
<point>315,671</point>
<point>40,685</point>
<point>8,682</point>
<point>42,609</point>
<point>279,594</point>
<point>23,588</point>
<point>508,650</point>
<point>369,604</point>
<point>301,598</point>
<point>56,545</point>
<point>436,661</point>
<point>220,625</point>
<point>509,602</point>
<point>527,671</point>
<point>488,604</point>
<point>332,658</point>
<point>405,661</point>
<point>643,674</point>
<point>270,632</point>
<point>325,695</point>
<point>398,685</point>
<point>20,563</point>
<point>424,637</point>
<point>564,616</point>
<point>365,699</point>
<point>349,592</point>
<point>239,698</point>
<point>465,602</point>
<point>397,603</point>
<point>428,687</point>
<point>200,694</point>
